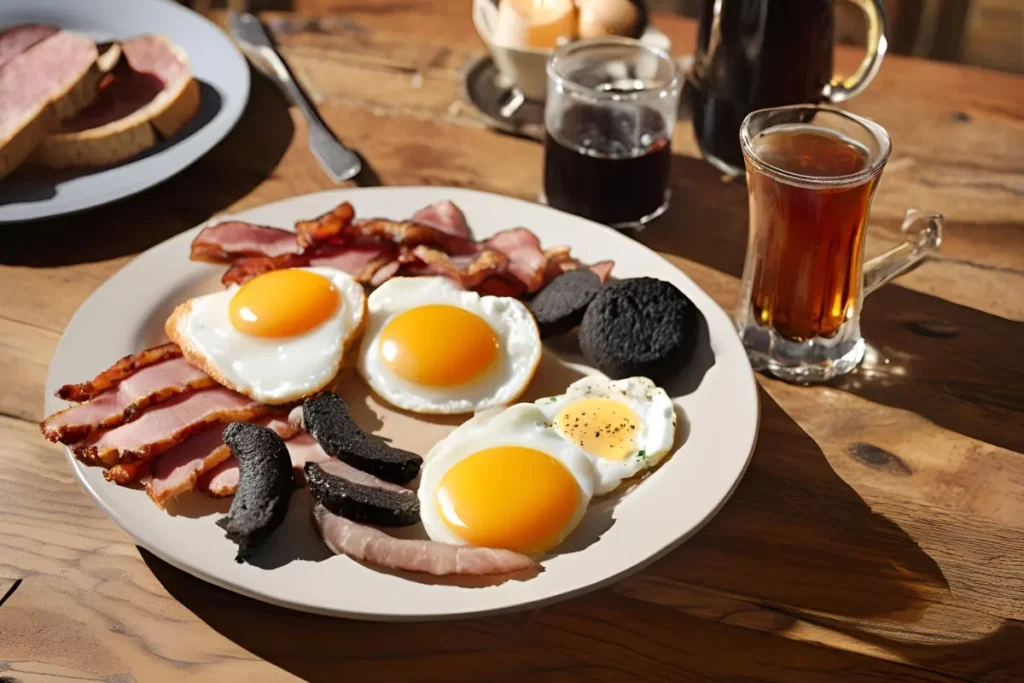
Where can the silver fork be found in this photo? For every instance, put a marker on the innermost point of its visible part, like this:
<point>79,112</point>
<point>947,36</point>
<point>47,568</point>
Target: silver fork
<point>338,161</point>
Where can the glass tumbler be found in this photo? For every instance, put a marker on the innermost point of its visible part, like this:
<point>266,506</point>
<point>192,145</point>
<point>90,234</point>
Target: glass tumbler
<point>610,110</point>
<point>811,174</point>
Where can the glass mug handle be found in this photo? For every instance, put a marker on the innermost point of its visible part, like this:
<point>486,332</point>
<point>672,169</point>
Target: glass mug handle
<point>923,233</point>
<point>840,88</point>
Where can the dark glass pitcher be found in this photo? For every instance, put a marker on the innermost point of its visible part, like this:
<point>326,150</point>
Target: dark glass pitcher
<point>753,54</point>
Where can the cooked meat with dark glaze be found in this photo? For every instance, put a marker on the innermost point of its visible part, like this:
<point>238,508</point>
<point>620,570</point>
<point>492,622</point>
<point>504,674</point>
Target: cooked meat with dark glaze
<point>640,326</point>
<point>326,417</point>
<point>360,496</point>
<point>560,306</point>
<point>264,488</point>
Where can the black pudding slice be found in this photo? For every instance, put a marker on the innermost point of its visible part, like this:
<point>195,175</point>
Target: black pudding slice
<point>264,485</point>
<point>560,306</point>
<point>326,417</point>
<point>642,326</point>
<point>360,496</point>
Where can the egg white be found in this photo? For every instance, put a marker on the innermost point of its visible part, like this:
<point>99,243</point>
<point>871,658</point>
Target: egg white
<point>655,434</point>
<point>273,371</point>
<point>520,425</point>
<point>514,326</point>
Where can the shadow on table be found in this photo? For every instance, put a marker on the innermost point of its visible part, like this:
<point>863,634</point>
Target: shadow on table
<point>794,534</point>
<point>239,163</point>
<point>954,365</point>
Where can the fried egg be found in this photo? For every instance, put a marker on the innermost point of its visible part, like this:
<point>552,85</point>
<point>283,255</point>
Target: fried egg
<point>509,481</point>
<point>277,338</point>
<point>623,426</point>
<point>431,347</point>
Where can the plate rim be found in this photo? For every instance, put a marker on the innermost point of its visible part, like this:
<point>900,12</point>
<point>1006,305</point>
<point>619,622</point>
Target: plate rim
<point>29,212</point>
<point>79,469</point>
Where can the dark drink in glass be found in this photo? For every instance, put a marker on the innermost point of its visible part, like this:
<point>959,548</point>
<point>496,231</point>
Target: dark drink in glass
<point>610,110</point>
<point>608,165</point>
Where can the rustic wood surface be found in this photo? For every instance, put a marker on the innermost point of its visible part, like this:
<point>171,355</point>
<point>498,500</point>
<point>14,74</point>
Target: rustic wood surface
<point>877,536</point>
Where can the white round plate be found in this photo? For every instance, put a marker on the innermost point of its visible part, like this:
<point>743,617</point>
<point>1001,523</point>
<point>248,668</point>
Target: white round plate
<point>717,397</point>
<point>223,79</point>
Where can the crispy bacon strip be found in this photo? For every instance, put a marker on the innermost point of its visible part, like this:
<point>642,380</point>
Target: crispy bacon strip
<point>122,403</point>
<point>469,270</point>
<point>326,227</point>
<point>230,240</point>
<point>361,261</point>
<point>166,425</point>
<point>118,372</point>
<point>411,234</point>
<point>444,215</point>
<point>526,261</point>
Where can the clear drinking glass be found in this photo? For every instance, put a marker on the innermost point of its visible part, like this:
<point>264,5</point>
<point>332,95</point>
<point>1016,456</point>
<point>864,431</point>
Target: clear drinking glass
<point>811,174</point>
<point>610,110</point>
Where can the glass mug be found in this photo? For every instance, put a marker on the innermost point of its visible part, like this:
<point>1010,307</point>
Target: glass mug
<point>610,109</point>
<point>753,54</point>
<point>811,174</point>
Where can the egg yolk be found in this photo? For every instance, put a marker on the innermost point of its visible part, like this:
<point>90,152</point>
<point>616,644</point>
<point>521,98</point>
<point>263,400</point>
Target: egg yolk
<point>508,497</point>
<point>438,345</point>
<point>601,426</point>
<point>283,303</point>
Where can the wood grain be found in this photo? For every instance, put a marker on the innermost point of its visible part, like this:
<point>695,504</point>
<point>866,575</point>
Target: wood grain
<point>875,537</point>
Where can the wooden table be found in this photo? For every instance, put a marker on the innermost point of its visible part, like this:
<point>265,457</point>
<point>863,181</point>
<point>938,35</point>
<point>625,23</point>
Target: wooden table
<point>878,534</point>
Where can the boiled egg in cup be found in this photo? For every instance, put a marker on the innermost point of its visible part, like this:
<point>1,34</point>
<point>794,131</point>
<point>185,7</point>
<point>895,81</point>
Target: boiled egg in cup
<point>508,482</point>
<point>623,426</point>
<point>432,347</point>
<point>277,338</point>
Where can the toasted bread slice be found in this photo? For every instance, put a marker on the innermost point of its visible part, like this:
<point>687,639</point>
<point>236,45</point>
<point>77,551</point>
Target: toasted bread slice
<point>52,80</point>
<point>150,96</point>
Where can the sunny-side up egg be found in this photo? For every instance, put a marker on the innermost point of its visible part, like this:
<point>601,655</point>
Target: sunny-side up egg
<point>624,426</point>
<point>432,347</point>
<point>277,338</point>
<point>506,482</point>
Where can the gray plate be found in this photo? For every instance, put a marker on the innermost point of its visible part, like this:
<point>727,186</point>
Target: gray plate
<point>220,69</point>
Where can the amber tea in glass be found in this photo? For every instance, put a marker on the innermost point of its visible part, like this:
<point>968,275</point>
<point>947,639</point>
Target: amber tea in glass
<point>811,174</point>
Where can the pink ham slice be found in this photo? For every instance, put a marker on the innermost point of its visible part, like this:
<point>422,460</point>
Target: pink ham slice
<point>222,480</point>
<point>526,259</point>
<point>118,372</point>
<point>368,544</point>
<point>230,240</point>
<point>120,404</point>
<point>166,425</point>
<point>444,216</point>
<point>176,471</point>
<point>17,39</point>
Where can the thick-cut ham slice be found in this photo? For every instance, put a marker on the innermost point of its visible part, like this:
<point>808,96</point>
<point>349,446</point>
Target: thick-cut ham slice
<point>225,242</point>
<point>176,471</point>
<point>367,544</point>
<point>17,39</point>
<point>326,227</point>
<point>445,216</point>
<point>222,480</point>
<point>166,425</point>
<point>120,404</point>
<point>526,260</point>
<point>602,269</point>
<point>118,372</point>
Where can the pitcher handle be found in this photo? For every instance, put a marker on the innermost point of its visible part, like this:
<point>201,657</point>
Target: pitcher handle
<point>840,88</point>
<point>924,235</point>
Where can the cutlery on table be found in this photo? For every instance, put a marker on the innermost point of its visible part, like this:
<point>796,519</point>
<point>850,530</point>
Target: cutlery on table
<point>338,161</point>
